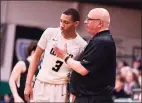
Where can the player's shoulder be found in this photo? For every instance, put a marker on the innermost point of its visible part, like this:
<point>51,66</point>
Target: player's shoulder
<point>21,63</point>
<point>21,66</point>
<point>52,30</point>
<point>81,41</point>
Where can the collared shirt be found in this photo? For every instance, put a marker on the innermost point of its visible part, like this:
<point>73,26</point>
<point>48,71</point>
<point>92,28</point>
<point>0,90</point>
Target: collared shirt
<point>99,58</point>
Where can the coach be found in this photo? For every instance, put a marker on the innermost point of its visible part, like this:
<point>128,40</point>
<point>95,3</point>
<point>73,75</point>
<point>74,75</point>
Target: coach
<point>93,78</point>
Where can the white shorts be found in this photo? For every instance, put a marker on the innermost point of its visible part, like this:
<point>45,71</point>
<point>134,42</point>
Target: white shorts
<point>45,92</point>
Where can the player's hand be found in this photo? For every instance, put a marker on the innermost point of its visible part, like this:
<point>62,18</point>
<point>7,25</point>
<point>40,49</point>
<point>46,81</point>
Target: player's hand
<point>72,98</point>
<point>28,92</point>
<point>59,52</point>
<point>18,99</point>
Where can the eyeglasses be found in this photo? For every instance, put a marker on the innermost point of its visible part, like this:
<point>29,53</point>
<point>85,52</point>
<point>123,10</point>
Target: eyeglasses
<point>90,19</point>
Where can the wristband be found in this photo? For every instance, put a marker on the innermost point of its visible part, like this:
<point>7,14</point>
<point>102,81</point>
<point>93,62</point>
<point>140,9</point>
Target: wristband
<point>66,58</point>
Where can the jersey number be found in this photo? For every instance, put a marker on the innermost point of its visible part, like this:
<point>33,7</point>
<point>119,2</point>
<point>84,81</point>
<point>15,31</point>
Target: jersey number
<point>57,66</point>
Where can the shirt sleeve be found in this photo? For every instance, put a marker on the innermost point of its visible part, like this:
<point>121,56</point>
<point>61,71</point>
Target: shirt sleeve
<point>94,57</point>
<point>81,49</point>
<point>44,38</point>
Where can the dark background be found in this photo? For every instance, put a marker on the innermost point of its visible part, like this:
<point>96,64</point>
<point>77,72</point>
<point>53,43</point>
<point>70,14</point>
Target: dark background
<point>134,4</point>
<point>21,31</point>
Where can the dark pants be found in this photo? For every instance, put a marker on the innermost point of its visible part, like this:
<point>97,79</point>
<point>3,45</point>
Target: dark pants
<point>93,99</point>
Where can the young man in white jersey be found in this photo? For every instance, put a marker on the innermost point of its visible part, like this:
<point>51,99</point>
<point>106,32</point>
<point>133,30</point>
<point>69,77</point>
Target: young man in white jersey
<point>51,83</point>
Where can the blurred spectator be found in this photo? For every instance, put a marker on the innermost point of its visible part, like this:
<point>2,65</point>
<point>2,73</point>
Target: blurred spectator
<point>131,82</point>
<point>120,64</point>
<point>136,64</point>
<point>124,70</point>
<point>140,75</point>
<point>140,97</point>
<point>19,73</point>
<point>6,98</point>
<point>119,90</point>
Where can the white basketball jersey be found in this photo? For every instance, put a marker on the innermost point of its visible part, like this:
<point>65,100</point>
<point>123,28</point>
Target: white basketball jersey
<point>53,69</point>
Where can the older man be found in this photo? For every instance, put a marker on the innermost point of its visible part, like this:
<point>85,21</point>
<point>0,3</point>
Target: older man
<point>93,78</point>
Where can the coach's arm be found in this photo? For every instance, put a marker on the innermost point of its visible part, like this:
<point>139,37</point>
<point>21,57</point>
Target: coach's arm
<point>75,65</point>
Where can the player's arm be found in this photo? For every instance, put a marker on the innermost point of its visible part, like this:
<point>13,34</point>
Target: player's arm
<point>28,92</point>
<point>42,43</point>
<point>16,72</point>
<point>34,64</point>
<point>37,56</point>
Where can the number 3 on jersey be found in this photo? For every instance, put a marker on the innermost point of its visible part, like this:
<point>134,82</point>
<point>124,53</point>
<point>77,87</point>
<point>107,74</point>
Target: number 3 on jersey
<point>57,66</point>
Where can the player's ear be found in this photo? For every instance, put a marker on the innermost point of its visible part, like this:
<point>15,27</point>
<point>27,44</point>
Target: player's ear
<point>76,23</point>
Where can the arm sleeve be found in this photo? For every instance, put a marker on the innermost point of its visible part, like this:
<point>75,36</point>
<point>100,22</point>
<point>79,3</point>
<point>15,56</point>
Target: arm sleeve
<point>94,57</point>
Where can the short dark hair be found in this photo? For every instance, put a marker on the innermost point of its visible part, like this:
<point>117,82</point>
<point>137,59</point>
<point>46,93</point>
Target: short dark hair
<point>74,13</point>
<point>31,47</point>
<point>120,78</point>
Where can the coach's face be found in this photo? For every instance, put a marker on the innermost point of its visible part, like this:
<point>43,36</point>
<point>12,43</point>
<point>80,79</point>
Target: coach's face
<point>93,23</point>
<point>67,24</point>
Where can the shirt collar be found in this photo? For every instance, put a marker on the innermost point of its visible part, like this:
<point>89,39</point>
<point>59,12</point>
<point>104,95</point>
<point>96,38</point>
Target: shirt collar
<point>102,33</point>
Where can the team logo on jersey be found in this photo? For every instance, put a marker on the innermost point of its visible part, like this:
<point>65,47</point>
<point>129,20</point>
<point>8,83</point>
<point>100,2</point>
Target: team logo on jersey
<point>52,52</point>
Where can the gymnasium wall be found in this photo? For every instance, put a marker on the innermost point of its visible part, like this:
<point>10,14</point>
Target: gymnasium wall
<point>125,24</point>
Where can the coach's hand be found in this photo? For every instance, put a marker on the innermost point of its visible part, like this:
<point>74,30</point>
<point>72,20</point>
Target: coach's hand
<point>59,52</point>
<point>28,92</point>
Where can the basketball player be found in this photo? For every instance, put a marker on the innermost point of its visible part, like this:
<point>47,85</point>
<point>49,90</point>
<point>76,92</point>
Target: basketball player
<point>51,82</point>
<point>19,73</point>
